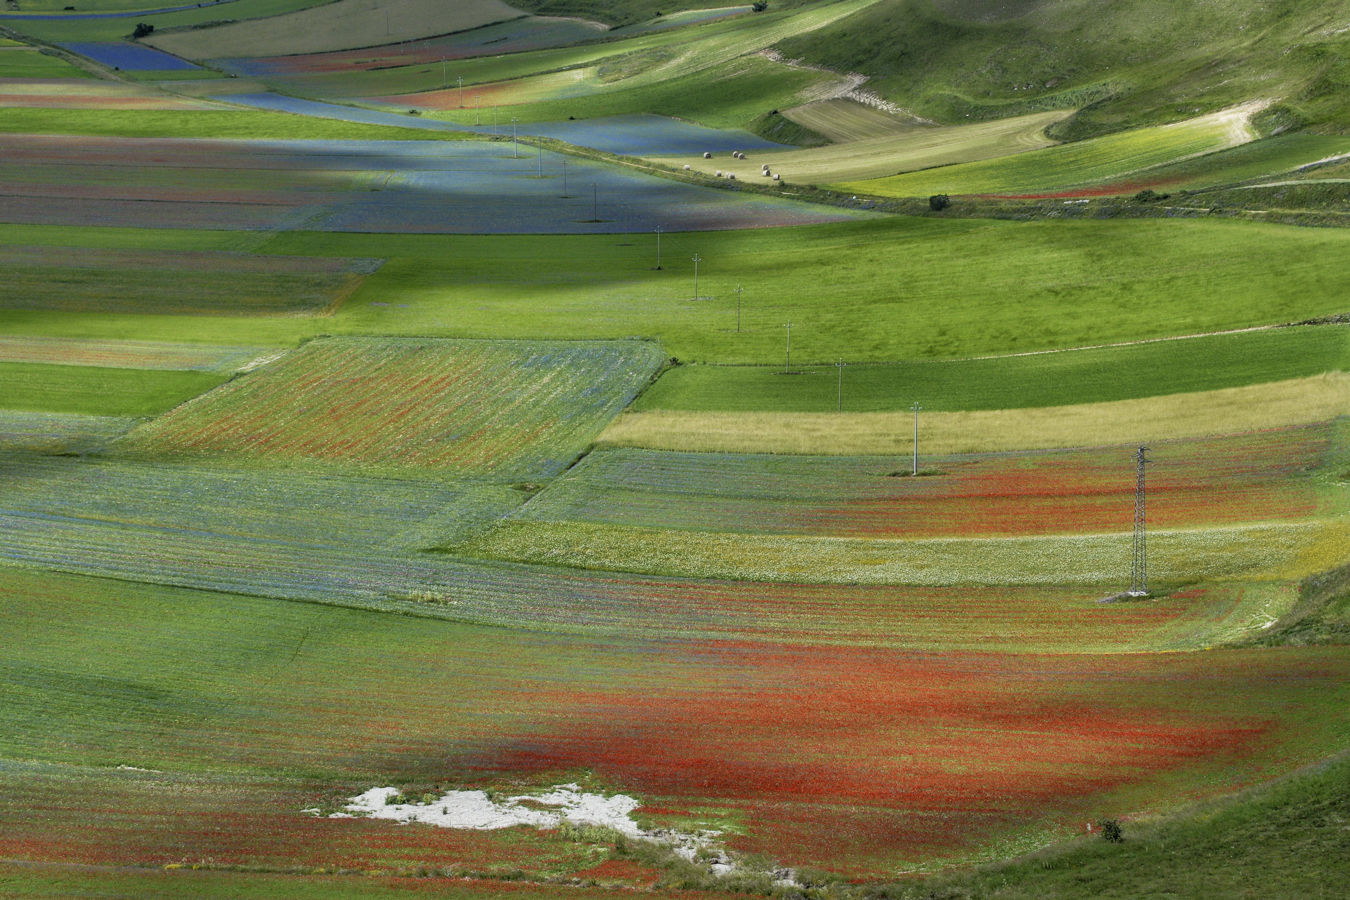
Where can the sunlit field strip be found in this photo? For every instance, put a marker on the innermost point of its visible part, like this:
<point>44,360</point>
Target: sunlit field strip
<point>1280,404</point>
<point>129,354</point>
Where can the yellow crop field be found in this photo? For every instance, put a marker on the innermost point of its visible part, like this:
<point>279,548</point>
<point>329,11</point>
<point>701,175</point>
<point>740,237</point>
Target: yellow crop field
<point>1296,402</point>
<point>343,25</point>
<point>1275,551</point>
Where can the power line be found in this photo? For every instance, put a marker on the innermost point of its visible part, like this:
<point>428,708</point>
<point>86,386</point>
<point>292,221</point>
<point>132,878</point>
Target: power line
<point>1139,566</point>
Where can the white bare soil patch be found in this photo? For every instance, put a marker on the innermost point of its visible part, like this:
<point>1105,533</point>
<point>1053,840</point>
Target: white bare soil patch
<point>476,810</point>
<point>479,811</point>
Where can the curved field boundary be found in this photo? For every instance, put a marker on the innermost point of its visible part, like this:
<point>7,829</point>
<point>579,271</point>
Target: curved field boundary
<point>1101,160</point>
<point>1284,551</point>
<point>1300,401</point>
<point>917,147</point>
<point>342,25</point>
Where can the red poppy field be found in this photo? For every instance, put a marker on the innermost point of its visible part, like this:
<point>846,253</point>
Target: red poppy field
<point>235,715</point>
<point>1268,476</point>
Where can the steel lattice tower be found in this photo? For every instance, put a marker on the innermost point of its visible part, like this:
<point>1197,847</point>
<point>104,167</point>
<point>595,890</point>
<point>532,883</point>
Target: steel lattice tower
<point>1139,570</point>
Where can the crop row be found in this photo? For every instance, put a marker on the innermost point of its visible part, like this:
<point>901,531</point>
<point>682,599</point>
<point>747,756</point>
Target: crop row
<point>1221,481</point>
<point>510,409</point>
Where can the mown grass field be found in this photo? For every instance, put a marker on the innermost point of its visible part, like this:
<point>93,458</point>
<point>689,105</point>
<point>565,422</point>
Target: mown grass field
<point>98,391</point>
<point>23,63</point>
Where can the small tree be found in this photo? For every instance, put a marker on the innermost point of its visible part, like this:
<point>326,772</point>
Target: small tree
<point>759,5</point>
<point>143,29</point>
<point>939,202</point>
<point>1111,831</point>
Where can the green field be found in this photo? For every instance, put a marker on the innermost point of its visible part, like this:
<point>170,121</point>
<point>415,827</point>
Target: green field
<point>223,123</point>
<point>114,29</point>
<point>1157,279</point>
<point>1053,379</point>
<point>16,63</point>
<point>98,392</point>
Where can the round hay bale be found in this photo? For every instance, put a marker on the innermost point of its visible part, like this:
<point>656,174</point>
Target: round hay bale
<point>707,156</point>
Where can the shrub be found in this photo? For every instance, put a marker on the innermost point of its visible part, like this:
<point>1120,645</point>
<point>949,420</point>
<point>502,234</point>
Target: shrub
<point>939,202</point>
<point>759,5</point>
<point>143,29</point>
<point>1111,831</point>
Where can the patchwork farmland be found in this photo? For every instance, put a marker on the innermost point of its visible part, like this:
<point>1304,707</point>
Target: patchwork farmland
<point>438,455</point>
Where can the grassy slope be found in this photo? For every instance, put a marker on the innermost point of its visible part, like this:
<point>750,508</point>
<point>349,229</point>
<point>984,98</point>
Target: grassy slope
<point>879,290</point>
<point>1163,62</point>
<point>1057,379</point>
<point>224,123</point>
<point>1285,840</point>
<point>707,73</point>
<point>97,391</point>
